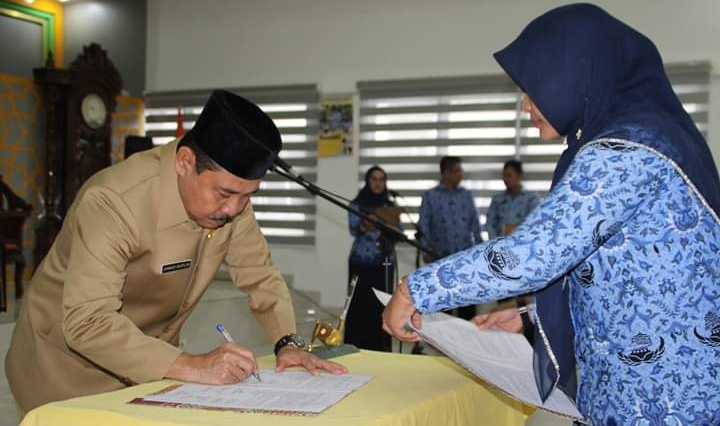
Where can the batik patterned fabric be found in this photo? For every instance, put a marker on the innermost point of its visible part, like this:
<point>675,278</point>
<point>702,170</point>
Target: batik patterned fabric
<point>641,250</point>
<point>366,248</point>
<point>449,220</point>
<point>507,209</point>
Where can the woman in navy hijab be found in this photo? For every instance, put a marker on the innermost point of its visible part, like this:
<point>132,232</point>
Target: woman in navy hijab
<point>623,256</point>
<point>372,259</point>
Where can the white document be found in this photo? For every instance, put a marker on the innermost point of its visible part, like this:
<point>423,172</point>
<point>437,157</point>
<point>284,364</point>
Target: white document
<point>289,392</point>
<point>500,358</point>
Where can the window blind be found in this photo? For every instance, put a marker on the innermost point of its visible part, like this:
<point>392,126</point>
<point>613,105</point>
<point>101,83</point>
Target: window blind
<point>691,82</point>
<point>284,210</point>
<point>406,126</point>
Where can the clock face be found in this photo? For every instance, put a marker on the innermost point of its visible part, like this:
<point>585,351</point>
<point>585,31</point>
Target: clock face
<point>93,110</point>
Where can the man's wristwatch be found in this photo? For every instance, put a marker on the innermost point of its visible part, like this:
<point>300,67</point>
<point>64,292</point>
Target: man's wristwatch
<point>293,339</point>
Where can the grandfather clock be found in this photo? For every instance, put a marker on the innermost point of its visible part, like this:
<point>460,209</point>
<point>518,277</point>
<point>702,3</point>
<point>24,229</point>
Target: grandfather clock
<point>78,103</point>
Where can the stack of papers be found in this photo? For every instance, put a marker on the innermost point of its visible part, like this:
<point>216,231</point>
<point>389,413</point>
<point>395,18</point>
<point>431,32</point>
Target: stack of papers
<point>289,392</point>
<point>501,359</point>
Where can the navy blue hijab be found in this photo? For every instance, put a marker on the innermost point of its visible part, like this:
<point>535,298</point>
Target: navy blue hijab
<point>592,76</point>
<point>368,200</point>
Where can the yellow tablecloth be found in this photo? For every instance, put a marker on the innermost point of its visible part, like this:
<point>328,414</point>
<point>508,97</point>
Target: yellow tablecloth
<point>406,390</point>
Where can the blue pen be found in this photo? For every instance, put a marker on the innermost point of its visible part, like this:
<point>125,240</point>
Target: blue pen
<point>229,339</point>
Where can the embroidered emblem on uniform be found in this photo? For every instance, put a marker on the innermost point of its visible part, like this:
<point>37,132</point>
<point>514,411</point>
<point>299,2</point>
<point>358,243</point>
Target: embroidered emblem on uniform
<point>586,274</point>
<point>500,259</point>
<point>641,354</point>
<point>712,323</point>
<point>175,266</point>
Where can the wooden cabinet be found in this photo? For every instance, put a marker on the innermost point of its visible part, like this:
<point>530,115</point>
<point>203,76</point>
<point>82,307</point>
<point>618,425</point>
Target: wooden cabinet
<point>78,102</point>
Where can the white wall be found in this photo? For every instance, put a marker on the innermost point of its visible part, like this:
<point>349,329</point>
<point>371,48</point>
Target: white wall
<point>335,43</point>
<point>118,26</point>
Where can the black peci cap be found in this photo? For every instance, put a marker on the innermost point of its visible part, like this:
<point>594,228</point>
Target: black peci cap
<point>237,135</point>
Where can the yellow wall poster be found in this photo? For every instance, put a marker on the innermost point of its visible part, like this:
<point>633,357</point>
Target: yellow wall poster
<point>336,116</point>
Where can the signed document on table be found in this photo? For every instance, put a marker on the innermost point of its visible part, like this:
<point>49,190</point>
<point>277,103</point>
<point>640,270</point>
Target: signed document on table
<point>289,392</point>
<point>501,359</point>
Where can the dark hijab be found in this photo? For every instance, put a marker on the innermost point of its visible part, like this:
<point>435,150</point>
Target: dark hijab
<point>592,76</point>
<point>368,199</point>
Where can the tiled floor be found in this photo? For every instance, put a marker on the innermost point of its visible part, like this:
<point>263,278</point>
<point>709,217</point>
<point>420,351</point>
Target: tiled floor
<point>8,415</point>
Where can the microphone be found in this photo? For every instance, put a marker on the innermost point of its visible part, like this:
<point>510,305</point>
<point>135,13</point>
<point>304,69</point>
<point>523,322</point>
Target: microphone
<point>325,332</point>
<point>353,284</point>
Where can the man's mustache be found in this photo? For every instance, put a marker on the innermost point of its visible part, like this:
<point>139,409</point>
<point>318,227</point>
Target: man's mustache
<point>224,218</point>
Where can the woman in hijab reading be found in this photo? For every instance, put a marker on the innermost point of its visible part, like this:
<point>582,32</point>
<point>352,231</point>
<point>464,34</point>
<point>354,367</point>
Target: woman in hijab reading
<point>368,256</point>
<point>624,253</point>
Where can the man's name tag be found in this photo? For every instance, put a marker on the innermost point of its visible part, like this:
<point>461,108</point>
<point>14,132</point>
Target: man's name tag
<point>175,266</point>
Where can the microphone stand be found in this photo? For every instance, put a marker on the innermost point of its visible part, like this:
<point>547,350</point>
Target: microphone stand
<point>285,170</point>
<point>389,235</point>
<point>417,349</point>
<point>418,232</point>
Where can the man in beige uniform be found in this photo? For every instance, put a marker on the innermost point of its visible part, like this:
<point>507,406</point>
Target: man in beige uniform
<point>139,246</point>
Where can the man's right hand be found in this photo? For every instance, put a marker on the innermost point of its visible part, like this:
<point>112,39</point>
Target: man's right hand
<point>226,364</point>
<point>507,319</point>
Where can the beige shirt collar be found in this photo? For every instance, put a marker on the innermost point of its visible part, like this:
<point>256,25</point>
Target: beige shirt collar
<point>172,211</point>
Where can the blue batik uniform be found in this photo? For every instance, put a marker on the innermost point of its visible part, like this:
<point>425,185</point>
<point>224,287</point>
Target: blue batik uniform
<point>448,220</point>
<point>640,250</point>
<point>637,311</point>
<point>366,248</point>
<point>508,209</point>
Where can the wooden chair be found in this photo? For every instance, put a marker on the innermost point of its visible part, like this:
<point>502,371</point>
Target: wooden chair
<point>14,211</point>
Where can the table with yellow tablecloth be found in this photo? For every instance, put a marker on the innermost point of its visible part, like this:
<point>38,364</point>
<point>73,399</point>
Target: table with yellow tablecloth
<point>406,390</point>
